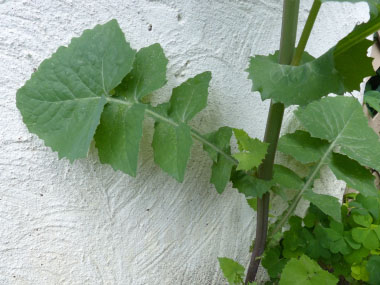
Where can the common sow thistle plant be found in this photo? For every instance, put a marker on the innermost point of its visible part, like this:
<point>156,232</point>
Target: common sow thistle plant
<point>97,87</point>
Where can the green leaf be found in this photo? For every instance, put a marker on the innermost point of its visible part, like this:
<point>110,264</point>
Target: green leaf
<point>252,202</point>
<point>118,136</point>
<point>172,137</point>
<point>172,146</point>
<point>366,236</point>
<point>372,98</point>
<point>355,175</point>
<point>189,98</point>
<point>221,167</point>
<point>341,121</point>
<point>373,266</point>
<point>252,153</point>
<point>304,271</point>
<point>148,74</point>
<point>371,3</point>
<point>64,99</point>
<point>302,146</point>
<point>359,271</point>
<point>341,69</point>
<point>232,271</point>
<point>273,263</point>
<point>326,203</point>
<point>249,185</point>
<point>286,177</point>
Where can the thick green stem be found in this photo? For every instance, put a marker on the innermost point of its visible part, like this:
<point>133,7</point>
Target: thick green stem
<point>306,32</point>
<point>272,132</point>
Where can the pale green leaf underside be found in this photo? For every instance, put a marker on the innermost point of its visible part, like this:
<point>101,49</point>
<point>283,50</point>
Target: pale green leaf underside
<point>221,167</point>
<point>148,73</point>
<point>63,101</point>
<point>302,146</point>
<point>232,271</point>
<point>252,153</point>
<point>326,203</point>
<point>341,121</point>
<point>355,175</point>
<point>305,271</point>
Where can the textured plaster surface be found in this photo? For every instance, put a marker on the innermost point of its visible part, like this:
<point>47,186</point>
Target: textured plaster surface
<point>83,223</point>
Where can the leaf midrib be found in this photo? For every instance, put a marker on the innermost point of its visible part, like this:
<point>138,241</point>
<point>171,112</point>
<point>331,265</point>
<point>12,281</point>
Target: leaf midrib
<point>194,133</point>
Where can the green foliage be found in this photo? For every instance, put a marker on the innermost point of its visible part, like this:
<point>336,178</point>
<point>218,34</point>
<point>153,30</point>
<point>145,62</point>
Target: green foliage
<point>373,266</point>
<point>348,249</point>
<point>305,271</point>
<point>341,69</point>
<point>372,98</point>
<point>328,204</point>
<point>252,151</point>
<point>233,271</point>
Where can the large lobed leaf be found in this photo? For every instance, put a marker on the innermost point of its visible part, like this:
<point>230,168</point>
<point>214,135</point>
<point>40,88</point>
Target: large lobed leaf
<point>64,99</point>
<point>341,69</point>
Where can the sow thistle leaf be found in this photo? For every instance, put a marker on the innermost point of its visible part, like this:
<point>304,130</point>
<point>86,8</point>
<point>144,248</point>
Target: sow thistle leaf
<point>172,137</point>
<point>341,69</point>
<point>232,270</point>
<point>326,203</point>
<point>341,121</point>
<point>148,74</point>
<point>63,101</point>
<point>355,175</point>
<point>302,146</point>
<point>286,177</point>
<point>119,133</point>
<point>249,185</point>
<point>252,153</point>
<point>305,271</point>
<point>221,167</point>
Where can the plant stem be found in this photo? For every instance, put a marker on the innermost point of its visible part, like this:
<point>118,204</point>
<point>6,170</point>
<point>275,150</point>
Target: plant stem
<point>272,133</point>
<point>306,32</point>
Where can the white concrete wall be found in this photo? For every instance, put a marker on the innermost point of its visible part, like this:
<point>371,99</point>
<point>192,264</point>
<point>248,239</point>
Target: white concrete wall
<point>83,223</point>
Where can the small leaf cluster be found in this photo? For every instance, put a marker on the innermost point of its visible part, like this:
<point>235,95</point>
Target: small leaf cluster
<point>349,250</point>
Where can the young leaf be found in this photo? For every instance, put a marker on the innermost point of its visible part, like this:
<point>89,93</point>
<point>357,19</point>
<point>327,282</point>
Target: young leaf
<point>302,146</point>
<point>355,175</point>
<point>252,153</point>
<point>221,167</point>
<point>233,271</point>
<point>341,121</point>
<point>304,271</point>
<point>63,101</point>
<point>148,74</point>
<point>273,263</point>
<point>373,266</point>
<point>328,204</point>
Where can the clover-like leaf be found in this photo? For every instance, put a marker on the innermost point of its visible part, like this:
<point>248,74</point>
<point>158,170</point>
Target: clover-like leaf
<point>305,271</point>
<point>64,99</point>
<point>373,266</point>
